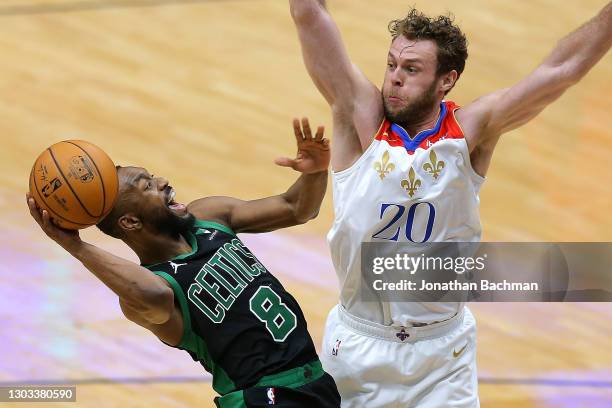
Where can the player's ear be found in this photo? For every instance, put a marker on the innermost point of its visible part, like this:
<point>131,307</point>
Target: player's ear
<point>129,222</point>
<point>448,80</point>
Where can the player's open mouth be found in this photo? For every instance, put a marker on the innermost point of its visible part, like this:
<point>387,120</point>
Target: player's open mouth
<point>173,205</point>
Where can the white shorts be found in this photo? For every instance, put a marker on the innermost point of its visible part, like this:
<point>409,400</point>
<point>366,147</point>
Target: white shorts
<point>383,366</point>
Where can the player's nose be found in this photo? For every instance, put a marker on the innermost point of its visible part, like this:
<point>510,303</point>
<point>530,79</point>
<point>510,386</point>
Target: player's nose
<point>162,183</point>
<point>395,77</point>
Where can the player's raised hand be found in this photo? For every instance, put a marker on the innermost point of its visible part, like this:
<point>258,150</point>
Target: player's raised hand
<point>312,152</point>
<point>66,238</point>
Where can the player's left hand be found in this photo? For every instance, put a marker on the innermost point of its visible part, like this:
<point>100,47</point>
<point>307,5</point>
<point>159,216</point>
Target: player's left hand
<point>313,153</point>
<point>68,239</point>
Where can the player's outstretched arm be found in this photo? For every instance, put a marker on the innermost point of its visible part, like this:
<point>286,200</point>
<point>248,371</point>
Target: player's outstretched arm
<point>492,115</point>
<point>145,292</point>
<point>354,99</point>
<point>324,53</point>
<point>300,203</point>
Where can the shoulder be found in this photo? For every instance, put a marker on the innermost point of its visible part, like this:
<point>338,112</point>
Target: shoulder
<point>475,118</point>
<point>481,109</point>
<point>215,208</point>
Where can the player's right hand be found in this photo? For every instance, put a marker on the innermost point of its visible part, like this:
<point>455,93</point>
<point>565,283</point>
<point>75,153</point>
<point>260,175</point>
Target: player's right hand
<point>68,239</point>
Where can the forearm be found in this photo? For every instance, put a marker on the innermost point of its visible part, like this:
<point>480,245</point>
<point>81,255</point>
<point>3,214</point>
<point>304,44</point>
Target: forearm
<point>325,56</point>
<point>306,195</point>
<point>128,280</point>
<point>580,50</point>
<point>301,8</point>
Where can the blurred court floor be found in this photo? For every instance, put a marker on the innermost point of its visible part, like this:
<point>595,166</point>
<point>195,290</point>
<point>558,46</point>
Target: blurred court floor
<point>203,93</point>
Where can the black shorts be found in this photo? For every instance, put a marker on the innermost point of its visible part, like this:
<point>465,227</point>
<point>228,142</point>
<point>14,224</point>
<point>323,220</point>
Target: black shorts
<point>320,393</point>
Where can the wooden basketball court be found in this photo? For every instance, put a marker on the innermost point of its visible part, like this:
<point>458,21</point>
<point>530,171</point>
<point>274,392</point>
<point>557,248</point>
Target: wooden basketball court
<point>203,92</point>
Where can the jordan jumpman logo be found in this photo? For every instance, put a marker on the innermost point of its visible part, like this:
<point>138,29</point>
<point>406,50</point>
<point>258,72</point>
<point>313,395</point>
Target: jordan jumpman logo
<point>175,266</point>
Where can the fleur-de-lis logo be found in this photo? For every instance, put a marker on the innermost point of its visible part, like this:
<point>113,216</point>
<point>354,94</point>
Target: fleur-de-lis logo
<point>412,184</point>
<point>433,167</point>
<point>383,167</point>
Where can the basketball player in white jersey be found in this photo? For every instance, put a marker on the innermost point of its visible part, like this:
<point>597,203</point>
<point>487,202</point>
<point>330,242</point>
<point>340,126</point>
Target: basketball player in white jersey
<point>408,166</point>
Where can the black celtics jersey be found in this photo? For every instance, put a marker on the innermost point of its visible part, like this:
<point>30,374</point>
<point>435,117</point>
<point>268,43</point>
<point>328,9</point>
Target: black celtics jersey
<point>239,322</point>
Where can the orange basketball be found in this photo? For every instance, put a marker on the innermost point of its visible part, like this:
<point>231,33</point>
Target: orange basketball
<point>76,182</point>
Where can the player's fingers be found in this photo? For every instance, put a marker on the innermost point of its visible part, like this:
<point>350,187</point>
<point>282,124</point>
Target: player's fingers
<point>48,225</point>
<point>34,211</point>
<point>297,130</point>
<point>306,129</point>
<point>322,144</point>
<point>320,132</point>
<point>32,206</point>
<point>285,162</point>
<point>45,219</point>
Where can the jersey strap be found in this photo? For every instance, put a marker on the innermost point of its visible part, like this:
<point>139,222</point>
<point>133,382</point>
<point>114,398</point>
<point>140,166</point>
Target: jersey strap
<point>446,127</point>
<point>201,225</point>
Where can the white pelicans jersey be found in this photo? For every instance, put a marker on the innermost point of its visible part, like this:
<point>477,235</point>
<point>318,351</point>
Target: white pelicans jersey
<point>403,189</point>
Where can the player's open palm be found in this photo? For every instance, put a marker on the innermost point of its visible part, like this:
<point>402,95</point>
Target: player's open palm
<point>313,153</point>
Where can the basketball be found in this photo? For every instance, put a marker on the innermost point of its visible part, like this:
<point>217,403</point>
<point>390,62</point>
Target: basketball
<point>76,182</point>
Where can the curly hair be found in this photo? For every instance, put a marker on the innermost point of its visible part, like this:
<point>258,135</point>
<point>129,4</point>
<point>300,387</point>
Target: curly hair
<point>452,44</point>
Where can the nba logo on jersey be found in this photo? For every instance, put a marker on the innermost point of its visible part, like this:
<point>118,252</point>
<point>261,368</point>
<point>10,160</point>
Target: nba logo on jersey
<point>271,397</point>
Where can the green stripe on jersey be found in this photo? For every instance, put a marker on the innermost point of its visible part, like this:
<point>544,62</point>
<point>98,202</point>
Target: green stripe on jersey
<point>214,225</point>
<point>194,343</point>
<point>193,242</point>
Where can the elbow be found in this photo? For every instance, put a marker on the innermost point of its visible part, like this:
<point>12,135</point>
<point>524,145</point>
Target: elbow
<point>160,306</point>
<point>303,218</point>
<point>572,73</point>
<point>575,75</point>
<point>568,73</point>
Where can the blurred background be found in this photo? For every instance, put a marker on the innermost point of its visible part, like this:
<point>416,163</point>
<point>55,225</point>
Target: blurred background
<point>203,93</point>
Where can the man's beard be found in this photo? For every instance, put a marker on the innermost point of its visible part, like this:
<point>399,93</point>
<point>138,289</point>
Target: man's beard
<point>416,111</point>
<point>169,224</point>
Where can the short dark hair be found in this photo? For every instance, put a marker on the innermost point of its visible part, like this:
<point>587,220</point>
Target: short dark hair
<point>452,44</point>
<point>108,224</point>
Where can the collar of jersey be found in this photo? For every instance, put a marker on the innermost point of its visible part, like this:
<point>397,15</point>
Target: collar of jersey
<point>191,238</point>
<point>411,144</point>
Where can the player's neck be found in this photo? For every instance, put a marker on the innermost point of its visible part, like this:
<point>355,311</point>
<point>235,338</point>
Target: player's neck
<point>157,248</point>
<point>426,122</point>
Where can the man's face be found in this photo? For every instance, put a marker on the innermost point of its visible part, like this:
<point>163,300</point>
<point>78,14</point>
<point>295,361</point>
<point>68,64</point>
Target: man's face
<point>410,89</point>
<point>151,200</point>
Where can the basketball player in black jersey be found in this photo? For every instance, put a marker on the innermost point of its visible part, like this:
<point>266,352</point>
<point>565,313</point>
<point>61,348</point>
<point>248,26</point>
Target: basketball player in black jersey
<point>199,289</point>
